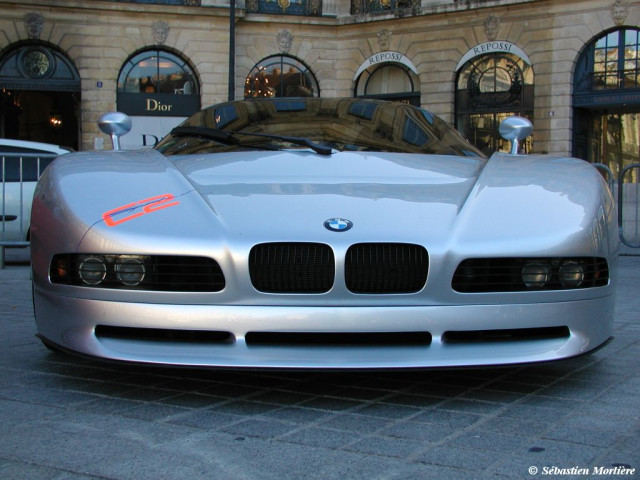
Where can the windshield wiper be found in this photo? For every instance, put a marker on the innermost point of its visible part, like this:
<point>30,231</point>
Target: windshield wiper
<point>303,142</point>
<point>229,138</point>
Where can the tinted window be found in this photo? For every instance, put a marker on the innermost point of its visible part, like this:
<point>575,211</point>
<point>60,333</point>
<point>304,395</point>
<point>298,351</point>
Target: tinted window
<point>362,109</point>
<point>342,124</point>
<point>413,134</point>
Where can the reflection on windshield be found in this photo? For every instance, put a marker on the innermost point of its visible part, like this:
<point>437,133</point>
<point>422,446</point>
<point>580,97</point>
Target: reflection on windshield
<point>340,124</point>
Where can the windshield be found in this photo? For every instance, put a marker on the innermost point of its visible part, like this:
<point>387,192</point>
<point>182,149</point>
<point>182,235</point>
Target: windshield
<point>313,123</point>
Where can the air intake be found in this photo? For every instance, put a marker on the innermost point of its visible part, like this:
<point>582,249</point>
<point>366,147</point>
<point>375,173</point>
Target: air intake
<point>386,268</point>
<point>292,267</point>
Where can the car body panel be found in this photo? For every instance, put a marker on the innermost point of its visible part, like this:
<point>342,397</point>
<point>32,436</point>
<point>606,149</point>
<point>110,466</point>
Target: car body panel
<point>220,205</point>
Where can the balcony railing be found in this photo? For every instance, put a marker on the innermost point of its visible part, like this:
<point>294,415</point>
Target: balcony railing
<point>359,7</point>
<point>191,3</point>
<point>285,7</point>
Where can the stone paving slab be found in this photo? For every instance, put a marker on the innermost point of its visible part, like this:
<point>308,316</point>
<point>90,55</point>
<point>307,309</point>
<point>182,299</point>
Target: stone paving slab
<point>62,417</point>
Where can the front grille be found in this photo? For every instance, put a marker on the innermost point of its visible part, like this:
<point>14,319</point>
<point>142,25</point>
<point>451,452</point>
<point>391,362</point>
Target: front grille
<point>483,275</point>
<point>381,268</point>
<point>292,267</point>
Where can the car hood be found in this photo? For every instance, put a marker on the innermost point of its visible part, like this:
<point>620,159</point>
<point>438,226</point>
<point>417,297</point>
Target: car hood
<point>286,195</point>
<point>447,203</point>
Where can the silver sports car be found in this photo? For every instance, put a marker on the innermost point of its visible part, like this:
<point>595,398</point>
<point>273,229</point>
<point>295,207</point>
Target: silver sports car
<point>322,233</point>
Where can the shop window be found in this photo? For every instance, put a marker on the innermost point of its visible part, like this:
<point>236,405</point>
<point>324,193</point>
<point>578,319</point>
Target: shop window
<point>606,100</point>
<point>490,88</point>
<point>389,81</point>
<point>157,71</point>
<point>281,76</point>
<point>158,83</point>
<point>611,62</point>
<point>158,89</point>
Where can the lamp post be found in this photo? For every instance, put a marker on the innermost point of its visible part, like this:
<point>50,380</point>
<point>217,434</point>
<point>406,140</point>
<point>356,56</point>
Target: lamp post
<point>232,50</point>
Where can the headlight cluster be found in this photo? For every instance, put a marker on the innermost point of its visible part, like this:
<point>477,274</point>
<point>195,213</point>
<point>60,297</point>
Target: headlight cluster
<point>128,270</point>
<point>142,272</point>
<point>537,275</point>
<point>524,274</point>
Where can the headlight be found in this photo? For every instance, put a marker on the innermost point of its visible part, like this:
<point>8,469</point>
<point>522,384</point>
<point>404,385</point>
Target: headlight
<point>478,275</point>
<point>130,271</point>
<point>92,270</point>
<point>168,273</point>
<point>571,274</point>
<point>536,275</point>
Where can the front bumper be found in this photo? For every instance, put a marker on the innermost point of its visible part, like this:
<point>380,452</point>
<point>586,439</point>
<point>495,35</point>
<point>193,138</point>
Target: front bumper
<point>71,323</point>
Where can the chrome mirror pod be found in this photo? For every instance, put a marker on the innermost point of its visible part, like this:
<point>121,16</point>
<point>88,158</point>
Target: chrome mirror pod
<point>515,130</point>
<point>114,124</point>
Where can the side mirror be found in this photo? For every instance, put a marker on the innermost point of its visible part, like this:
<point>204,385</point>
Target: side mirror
<point>114,124</point>
<point>515,130</point>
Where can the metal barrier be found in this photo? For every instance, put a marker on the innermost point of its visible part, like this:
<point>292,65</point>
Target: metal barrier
<point>607,174</point>
<point>629,205</point>
<point>19,173</point>
<point>627,191</point>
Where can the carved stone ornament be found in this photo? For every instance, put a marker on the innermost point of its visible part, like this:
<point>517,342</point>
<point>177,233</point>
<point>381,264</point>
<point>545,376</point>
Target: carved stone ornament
<point>160,32</point>
<point>619,11</point>
<point>492,28</point>
<point>384,39</point>
<point>284,40</point>
<point>34,23</point>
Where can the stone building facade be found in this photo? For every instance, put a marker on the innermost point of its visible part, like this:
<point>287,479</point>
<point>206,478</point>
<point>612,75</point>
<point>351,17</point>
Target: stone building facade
<point>470,61</point>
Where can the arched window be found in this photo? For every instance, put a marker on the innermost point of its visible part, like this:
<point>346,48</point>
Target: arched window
<point>39,94</point>
<point>606,100</point>
<point>281,76</point>
<point>490,88</point>
<point>611,62</point>
<point>157,82</point>
<point>158,89</point>
<point>389,80</point>
<point>157,71</point>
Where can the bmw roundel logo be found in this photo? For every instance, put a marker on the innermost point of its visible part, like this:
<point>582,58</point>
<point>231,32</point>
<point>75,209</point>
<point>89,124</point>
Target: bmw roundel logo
<point>338,224</point>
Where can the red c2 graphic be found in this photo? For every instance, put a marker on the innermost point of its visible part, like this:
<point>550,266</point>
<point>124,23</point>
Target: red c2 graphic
<point>137,209</point>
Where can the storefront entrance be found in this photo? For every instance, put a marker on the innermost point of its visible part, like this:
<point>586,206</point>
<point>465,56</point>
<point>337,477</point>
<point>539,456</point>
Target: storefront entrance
<point>39,96</point>
<point>482,129</point>
<point>40,116</point>
<point>610,137</point>
<point>606,101</point>
<point>490,88</point>
<point>606,119</point>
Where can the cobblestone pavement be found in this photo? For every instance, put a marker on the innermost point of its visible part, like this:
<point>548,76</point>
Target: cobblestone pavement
<point>66,418</point>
